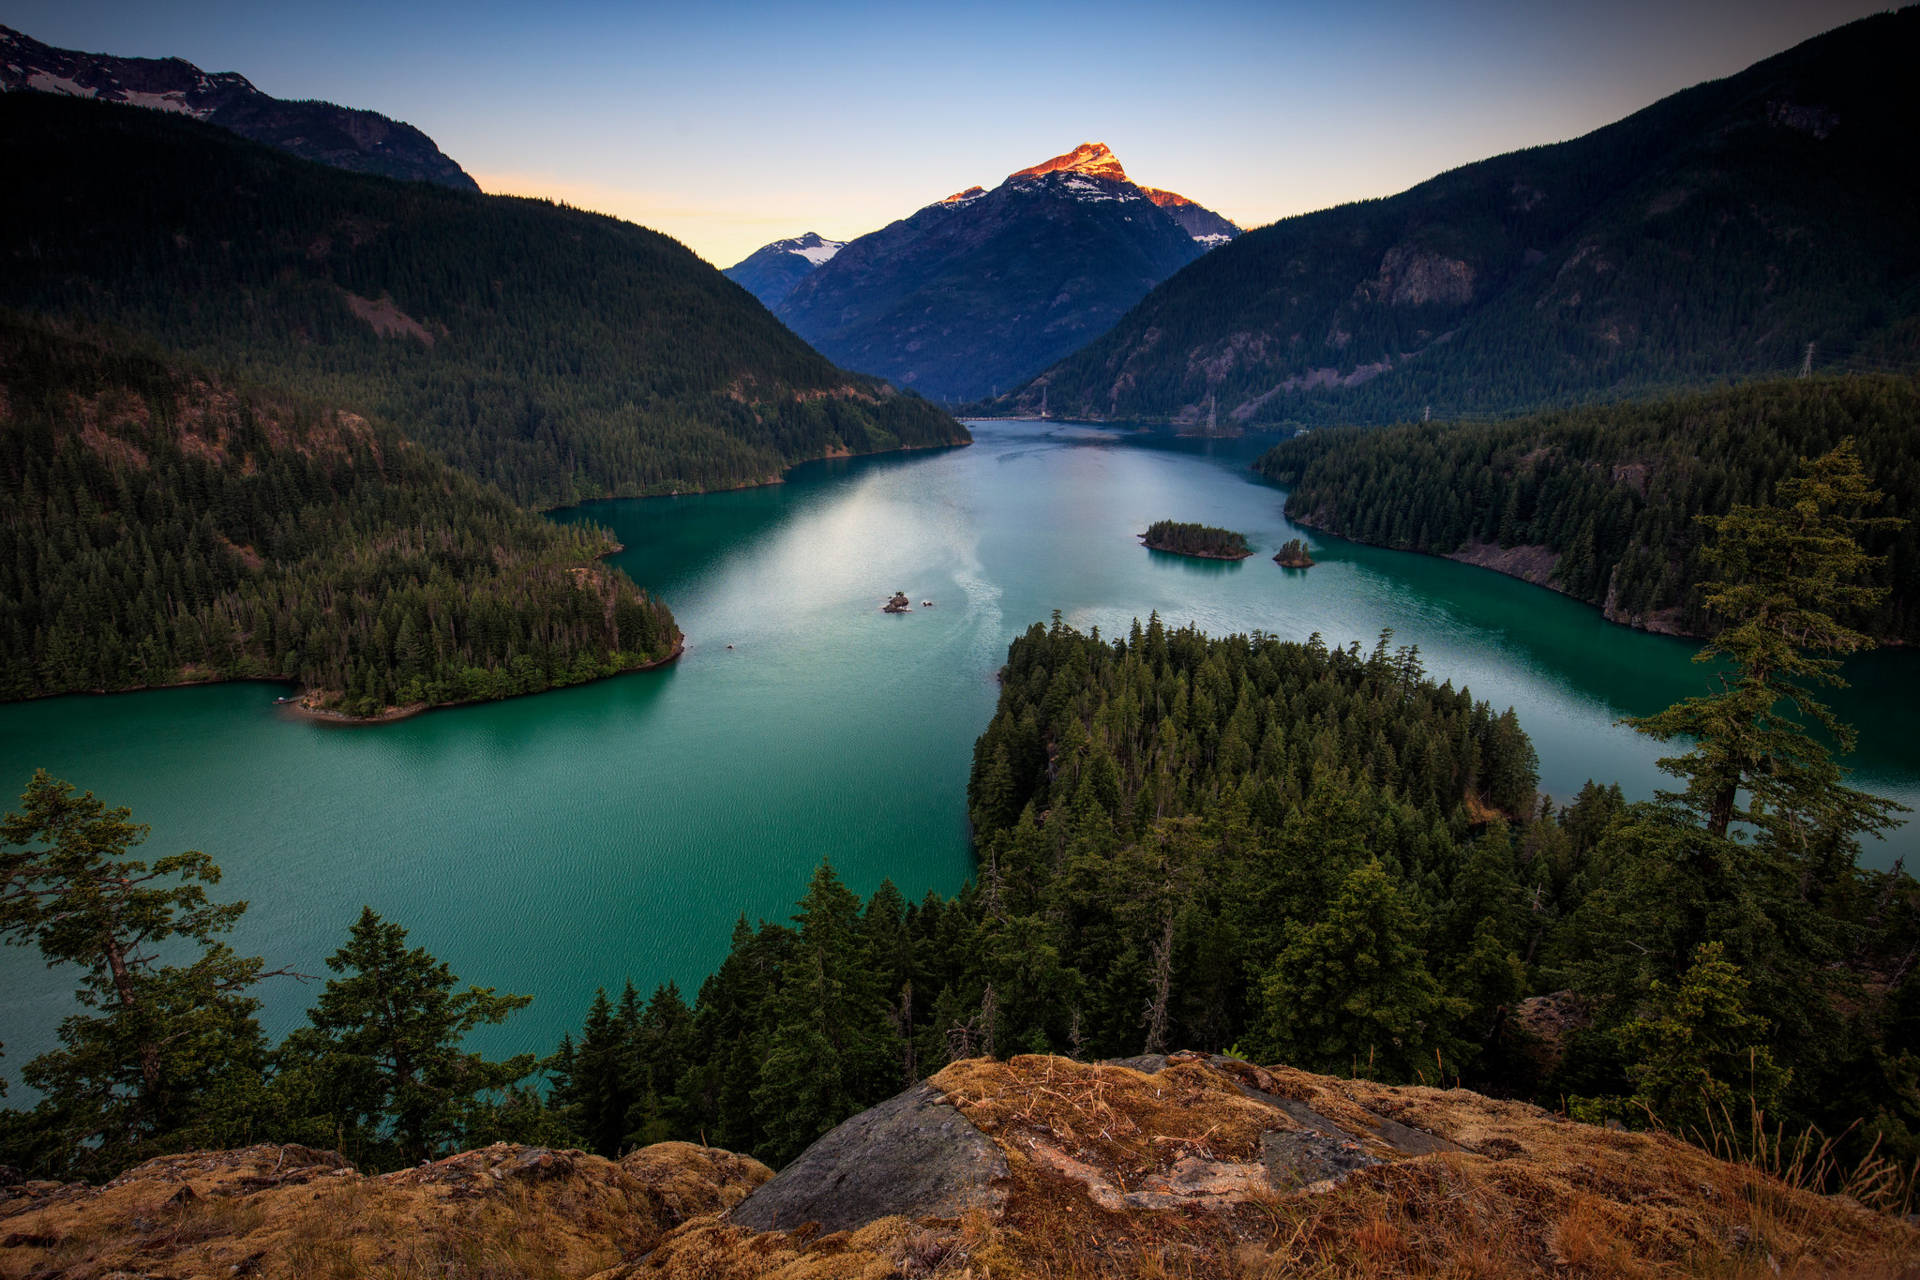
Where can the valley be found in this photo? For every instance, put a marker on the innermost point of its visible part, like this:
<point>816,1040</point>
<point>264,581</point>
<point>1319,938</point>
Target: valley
<point>1064,735</point>
<point>578,824</point>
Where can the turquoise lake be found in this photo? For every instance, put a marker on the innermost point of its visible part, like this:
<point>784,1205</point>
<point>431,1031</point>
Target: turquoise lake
<point>556,843</point>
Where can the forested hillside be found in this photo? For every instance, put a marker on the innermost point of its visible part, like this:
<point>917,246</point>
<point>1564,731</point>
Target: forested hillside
<point>165,525</point>
<point>561,355</point>
<point>1151,812</point>
<point>1606,499</point>
<point>1712,235</point>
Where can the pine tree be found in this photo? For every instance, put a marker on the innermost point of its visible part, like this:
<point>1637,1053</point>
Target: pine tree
<point>829,1051</point>
<point>1352,993</point>
<point>172,1052</point>
<point>1700,1060</point>
<point>383,1041</point>
<point>1789,575</point>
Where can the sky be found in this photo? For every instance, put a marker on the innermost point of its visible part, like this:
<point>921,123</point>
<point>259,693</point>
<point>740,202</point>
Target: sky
<point>727,125</point>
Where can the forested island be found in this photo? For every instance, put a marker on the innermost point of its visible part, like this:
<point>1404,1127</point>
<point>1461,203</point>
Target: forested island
<point>1199,540</point>
<point>169,526</point>
<point>1607,504</point>
<point>1291,852</point>
<point>1293,554</point>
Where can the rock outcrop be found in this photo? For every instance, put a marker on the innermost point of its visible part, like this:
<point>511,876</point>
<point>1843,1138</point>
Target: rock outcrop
<point>914,1156</point>
<point>1185,1165</point>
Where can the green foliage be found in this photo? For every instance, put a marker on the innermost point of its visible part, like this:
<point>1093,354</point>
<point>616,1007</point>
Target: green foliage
<point>1293,554</point>
<point>168,1052</point>
<point>1712,235</point>
<point>1196,540</point>
<point>557,354</point>
<point>1789,573</point>
<point>1699,1058</point>
<point>380,1065</point>
<point>1351,992</point>
<point>827,1054</point>
<point>164,526</point>
<point>1617,494</point>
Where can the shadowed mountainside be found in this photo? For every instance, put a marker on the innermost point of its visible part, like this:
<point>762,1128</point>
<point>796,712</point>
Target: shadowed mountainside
<point>344,137</point>
<point>1714,234</point>
<point>561,355</point>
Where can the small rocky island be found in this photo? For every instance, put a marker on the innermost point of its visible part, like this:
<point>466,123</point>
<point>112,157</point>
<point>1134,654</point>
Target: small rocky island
<point>1294,555</point>
<point>899,603</point>
<point>1204,541</point>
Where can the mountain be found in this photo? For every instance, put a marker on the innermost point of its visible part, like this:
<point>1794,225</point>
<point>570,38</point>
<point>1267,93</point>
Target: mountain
<point>985,287</point>
<point>769,273</point>
<point>559,354</point>
<point>1712,235</point>
<point>362,141</point>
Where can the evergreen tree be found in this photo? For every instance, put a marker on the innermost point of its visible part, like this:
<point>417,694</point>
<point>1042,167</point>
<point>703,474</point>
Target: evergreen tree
<point>383,1045</point>
<point>828,1053</point>
<point>170,1053</point>
<point>1352,992</point>
<point>1790,575</point>
<point>1700,1062</point>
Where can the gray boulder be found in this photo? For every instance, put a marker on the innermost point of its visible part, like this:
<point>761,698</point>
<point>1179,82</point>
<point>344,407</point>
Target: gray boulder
<point>914,1155</point>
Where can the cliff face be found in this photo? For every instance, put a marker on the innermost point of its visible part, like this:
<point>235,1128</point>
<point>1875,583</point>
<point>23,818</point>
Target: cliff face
<point>1181,1166</point>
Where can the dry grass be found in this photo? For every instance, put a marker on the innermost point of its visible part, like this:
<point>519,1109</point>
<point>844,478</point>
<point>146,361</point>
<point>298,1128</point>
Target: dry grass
<point>485,1215</point>
<point>1520,1193</point>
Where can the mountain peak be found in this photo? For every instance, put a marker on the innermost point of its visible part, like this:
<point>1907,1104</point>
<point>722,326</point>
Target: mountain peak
<point>1090,158</point>
<point>343,137</point>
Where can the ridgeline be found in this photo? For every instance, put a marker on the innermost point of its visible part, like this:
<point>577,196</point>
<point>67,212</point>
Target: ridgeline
<point>558,354</point>
<point>1712,235</point>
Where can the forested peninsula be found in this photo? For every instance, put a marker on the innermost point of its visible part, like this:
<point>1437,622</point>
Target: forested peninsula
<point>166,526</point>
<point>1203,541</point>
<point>558,354</point>
<point>1605,504</point>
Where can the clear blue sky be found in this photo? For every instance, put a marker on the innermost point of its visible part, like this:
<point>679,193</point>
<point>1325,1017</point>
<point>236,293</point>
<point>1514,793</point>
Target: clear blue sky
<point>728,125</point>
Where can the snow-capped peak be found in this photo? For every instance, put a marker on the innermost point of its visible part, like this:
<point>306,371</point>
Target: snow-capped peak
<point>812,246</point>
<point>1090,158</point>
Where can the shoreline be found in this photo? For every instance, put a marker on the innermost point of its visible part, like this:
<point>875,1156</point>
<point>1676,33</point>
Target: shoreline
<point>1193,555</point>
<point>779,477</point>
<point>393,715</point>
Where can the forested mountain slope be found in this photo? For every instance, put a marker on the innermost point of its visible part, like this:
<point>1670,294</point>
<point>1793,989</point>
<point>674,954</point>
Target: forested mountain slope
<point>1714,234</point>
<point>559,354</point>
<point>164,525</point>
<point>1600,502</point>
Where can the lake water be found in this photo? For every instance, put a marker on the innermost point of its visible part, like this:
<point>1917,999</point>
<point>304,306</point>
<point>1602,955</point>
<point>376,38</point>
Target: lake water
<point>552,844</point>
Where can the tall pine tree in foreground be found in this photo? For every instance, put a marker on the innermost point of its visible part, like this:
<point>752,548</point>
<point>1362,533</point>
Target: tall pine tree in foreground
<point>166,1055</point>
<point>383,1051</point>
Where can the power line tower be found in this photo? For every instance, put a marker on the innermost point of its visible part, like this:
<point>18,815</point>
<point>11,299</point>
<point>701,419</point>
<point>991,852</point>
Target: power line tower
<point>1806,364</point>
